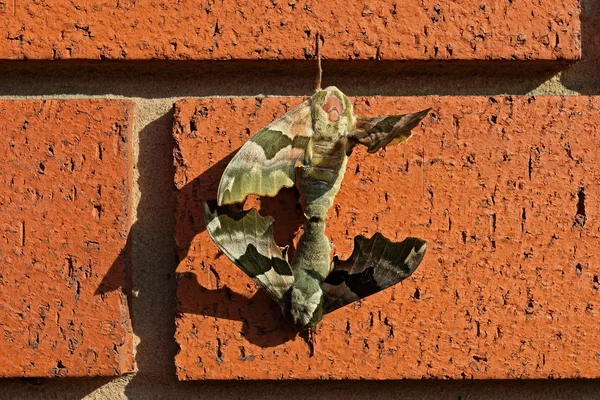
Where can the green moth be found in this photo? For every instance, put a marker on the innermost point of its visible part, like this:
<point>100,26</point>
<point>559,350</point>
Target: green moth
<point>309,147</point>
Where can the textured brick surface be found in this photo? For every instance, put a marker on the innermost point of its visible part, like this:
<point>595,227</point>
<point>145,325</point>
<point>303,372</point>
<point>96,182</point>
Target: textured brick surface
<point>505,191</point>
<point>271,29</point>
<point>64,219</point>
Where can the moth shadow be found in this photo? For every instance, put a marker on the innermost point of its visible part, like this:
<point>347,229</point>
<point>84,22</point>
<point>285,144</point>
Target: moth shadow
<point>267,326</point>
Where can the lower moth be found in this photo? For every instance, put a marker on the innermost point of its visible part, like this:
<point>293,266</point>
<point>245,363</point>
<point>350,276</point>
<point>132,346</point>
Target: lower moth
<point>309,147</point>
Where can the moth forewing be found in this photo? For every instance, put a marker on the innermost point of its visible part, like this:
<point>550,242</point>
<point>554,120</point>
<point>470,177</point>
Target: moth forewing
<point>265,164</point>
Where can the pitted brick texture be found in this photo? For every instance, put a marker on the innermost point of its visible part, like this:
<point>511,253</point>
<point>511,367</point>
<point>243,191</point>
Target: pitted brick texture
<point>504,190</point>
<point>64,220</point>
<point>271,29</point>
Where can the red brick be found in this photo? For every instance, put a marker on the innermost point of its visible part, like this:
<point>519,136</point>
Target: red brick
<point>503,189</point>
<point>271,29</point>
<point>65,184</point>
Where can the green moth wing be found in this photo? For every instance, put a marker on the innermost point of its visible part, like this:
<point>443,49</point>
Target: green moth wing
<point>265,164</point>
<point>375,264</point>
<point>247,239</point>
<point>379,132</point>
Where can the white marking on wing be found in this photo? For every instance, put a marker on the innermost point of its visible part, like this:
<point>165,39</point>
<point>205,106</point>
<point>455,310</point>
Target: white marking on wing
<point>415,256</point>
<point>279,284</point>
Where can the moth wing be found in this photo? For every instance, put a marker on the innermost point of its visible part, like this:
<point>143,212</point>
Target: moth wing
<point>379,132</point>
<point>375,264</point>
<point>247,239</point>
<point>265,164</point>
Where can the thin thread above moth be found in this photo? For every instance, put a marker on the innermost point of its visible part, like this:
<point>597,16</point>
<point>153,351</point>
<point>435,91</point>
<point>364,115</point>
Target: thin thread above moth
<point>309,147</point>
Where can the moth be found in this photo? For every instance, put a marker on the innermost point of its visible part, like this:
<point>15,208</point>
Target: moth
<point>309,147</point>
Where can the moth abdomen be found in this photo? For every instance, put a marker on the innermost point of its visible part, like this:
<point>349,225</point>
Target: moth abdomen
<point>319,182</point>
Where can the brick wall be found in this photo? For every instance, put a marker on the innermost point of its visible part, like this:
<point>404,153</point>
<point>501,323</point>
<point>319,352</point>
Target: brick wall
<point>106,265</point>
<point>501,187</point>
<point>236,29</point>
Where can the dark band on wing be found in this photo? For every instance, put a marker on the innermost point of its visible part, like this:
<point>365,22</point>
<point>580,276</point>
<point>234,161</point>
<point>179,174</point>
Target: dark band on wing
<point>273,141</point>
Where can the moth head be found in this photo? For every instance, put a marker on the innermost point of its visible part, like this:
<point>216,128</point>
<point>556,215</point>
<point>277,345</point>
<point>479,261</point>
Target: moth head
<point>332,113</point>
<point>305,308</point>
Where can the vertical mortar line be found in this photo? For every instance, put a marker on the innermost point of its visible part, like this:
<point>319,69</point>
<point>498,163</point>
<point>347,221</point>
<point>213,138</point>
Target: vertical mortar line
<point>151,224</point>
<point>135,197</point>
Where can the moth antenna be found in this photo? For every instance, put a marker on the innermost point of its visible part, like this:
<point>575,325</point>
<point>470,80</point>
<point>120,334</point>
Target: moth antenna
<point>320,69</point>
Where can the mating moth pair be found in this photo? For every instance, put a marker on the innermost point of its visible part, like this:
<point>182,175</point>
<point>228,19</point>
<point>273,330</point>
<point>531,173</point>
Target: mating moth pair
<point>309,147</point>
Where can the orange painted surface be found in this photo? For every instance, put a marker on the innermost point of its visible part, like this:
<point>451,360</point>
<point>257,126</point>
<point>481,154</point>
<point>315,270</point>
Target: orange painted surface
<point>64,219</point>
<point>270,29</point>
<point>504,190</point>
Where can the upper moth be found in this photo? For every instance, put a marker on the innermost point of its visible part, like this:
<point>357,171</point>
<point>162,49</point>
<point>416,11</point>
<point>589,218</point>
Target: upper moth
<point>309,147</point>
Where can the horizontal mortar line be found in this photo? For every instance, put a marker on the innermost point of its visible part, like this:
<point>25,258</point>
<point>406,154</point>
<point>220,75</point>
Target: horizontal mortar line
<point>182,79</point>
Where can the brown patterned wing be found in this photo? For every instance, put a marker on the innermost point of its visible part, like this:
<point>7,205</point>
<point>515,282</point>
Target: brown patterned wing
<point>379,132</point>
<point>375,264</point>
